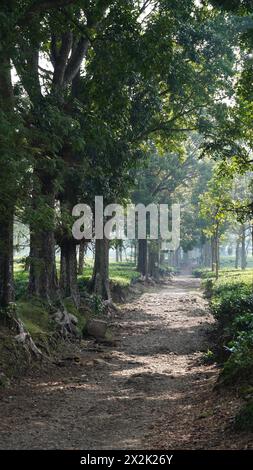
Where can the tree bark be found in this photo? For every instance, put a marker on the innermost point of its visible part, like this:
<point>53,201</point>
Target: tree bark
<point>8,186</point>
<point>82,252</point>
<point>68,277</point>
<point>100,281</point>
<point>142,257</point>
<point>217,256</point>
<point>208,254</point>
<point>237,253</point>
<point>177,257</point>
<point>153,261</point>
<point>117,254</point>
<point>120,253</point>
<point>243,249</point>
<point>252,240</point>
<point>213,254</point>
<point>6,260</point>
<point>135,253</point>
<point>43,280</point>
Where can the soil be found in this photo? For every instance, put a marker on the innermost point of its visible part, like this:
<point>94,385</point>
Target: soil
<point>149,390</point>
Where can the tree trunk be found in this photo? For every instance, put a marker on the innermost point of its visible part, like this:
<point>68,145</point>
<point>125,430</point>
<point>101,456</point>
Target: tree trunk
<point>68,277</point>
<point>120,253</point>
<point>34,278</point>
<point>82,252</point>
<point>243,248</point>
<point>43,280</point>
<point>213,254</point>
<point>142,257</point>
<point>7,186</point>
<point>43,276</point>
<point>170,259</point>
<point>208,254</point>
<point>252,240</point>
<point>135,253</point>
<point>27,264</point>
<point>6,260</point>
<point>100,281</point>
<point>153,260</point>
<point>237,253</point>
<point>177,257</point>
<point>162,258</point>
<point>217,256</point>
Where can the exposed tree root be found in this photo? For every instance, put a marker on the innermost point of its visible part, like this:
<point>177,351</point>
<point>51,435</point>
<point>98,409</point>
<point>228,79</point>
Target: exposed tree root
<point>110,307</point>
<point>26,340</point>
<point>23,336</point>
<point>66,323</point>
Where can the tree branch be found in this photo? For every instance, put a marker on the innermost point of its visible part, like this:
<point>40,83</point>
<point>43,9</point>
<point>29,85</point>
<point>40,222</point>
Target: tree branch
<point>40,6</point>
<point>76,59</point>
<point>53,49</point>
<point>62,59</point>
<point>27,66</point>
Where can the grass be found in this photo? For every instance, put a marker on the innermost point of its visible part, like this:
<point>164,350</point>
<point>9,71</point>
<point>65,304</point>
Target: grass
<point>229,261</point>
<point>35,315</point>
<point>121,274</point>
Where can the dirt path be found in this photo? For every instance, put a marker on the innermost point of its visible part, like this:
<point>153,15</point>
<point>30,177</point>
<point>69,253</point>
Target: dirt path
<point>151,391</point>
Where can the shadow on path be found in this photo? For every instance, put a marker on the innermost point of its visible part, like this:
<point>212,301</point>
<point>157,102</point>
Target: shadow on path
<point>152,391</point>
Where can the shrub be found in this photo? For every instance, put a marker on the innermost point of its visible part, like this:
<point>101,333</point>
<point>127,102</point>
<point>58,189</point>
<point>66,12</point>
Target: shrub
<point>244,420</point>
<point>239,366</point>
<point>229,303</point>
<point>232,305</point>
<point>200,272</point>
<point>209,357</point>
<point>97,305</point>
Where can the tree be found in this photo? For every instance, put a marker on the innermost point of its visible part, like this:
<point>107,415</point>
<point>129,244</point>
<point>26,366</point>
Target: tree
<point>216,205</point>
<point>119,76</point>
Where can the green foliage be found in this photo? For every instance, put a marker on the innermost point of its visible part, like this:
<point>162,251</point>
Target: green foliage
<point>232,305</point>
<point>216,204</point>
<point>97,305</point>
<point>71,308</point>
<point>209,357</point>
<point>200,272</point>
<point>229,300</point>
<point>35,316</point>
<point>244,420</point>
<point>121,274</point>
<point>229,262</point>
<point>239,366</point>
<point>20,281</point>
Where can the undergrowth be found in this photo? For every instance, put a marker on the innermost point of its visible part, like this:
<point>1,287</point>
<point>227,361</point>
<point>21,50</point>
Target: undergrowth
<point>231,302</point>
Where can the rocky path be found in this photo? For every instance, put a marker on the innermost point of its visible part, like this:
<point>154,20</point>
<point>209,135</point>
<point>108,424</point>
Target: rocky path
<point>150,391</point>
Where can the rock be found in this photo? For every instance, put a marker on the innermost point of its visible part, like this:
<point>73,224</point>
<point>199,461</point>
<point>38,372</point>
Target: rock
<point>96,328</point>
<point>4,380</point>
